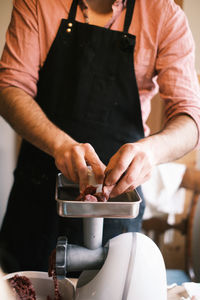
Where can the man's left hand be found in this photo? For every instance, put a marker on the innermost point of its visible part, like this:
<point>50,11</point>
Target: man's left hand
<point>128,168</point>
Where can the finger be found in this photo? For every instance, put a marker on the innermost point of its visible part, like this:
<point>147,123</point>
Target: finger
<point>63,167</point>
<point>65,172</point>
<point>69,168</point>
<point>130,178</point>
<point>130,189</point>
<point>72,170</point>
<point>98,169</point>
<point>118,164</point>
<point>137,183</point>
<point>80,165</point>
<point>83,177</point>
<point>94,161</point>
<point>107,190</point>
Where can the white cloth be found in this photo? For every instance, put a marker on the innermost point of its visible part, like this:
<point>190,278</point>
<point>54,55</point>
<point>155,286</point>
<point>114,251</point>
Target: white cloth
<point>193,289</point>
<point>162,191</point>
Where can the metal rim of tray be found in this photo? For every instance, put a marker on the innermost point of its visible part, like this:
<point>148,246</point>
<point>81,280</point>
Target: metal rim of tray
<point>109,209</point>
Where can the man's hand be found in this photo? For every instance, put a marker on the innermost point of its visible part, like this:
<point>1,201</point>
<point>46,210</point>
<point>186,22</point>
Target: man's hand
<point>132,164</point>
<point>27,118</point>
<point>128,168</point>
<point>72,160</point>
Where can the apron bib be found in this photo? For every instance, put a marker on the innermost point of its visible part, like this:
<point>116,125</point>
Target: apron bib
<point>88,88</point>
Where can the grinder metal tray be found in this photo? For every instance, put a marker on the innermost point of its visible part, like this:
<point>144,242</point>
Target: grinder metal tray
<point>123,206</point>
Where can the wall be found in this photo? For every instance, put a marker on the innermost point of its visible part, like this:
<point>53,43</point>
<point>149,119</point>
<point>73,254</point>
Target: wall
<point>7,136</point>
<point>192,10</point>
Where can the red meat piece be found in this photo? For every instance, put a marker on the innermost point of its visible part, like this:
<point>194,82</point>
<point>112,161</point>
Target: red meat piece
<point>90,198</point>
<point>90,195</point>
<point>90,189</point>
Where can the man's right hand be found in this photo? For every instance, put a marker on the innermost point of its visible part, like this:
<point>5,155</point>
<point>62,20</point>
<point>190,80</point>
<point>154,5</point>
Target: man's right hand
<point>73,160</point>
<point>24,114</point>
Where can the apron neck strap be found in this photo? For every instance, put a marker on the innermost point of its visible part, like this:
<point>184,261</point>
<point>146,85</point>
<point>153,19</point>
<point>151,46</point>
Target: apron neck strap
<point>72,12</point>
<point>129,14</point>
<point>128,18</point>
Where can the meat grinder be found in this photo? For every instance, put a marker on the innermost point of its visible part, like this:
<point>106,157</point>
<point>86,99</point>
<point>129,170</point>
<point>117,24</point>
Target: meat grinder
<point>130,265</point>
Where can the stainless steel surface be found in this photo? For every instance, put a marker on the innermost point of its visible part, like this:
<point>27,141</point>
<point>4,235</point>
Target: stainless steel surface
<point>73,258</point>
<point>123,206</point>
<point>93,232</point>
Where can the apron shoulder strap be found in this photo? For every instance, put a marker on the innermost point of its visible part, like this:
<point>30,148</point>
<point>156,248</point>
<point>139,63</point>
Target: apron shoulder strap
<point>129,14</point>
<point>72,12</point>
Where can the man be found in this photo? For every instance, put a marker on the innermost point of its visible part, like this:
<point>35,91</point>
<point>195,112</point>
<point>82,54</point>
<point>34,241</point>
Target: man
<point>78,96</point>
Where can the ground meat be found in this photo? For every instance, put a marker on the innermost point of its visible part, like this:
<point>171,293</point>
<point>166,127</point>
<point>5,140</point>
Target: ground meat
<point>90,195</point>
<point>52,273</point>
<point>57,295</point>
<point>23,287</point>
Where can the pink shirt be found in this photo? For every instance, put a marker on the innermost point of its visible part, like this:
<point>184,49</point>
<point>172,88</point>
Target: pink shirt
<point>164,54</point>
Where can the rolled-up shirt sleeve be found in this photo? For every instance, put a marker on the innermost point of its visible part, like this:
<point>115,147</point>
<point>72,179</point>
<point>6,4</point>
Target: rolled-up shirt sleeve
<point>20,60</point>
<point>175,65</point>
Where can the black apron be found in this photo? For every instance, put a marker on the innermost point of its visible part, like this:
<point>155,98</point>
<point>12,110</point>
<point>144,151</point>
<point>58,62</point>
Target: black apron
<point>88,88</point>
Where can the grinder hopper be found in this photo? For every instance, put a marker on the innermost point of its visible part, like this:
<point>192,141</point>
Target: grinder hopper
<point>123,206</point>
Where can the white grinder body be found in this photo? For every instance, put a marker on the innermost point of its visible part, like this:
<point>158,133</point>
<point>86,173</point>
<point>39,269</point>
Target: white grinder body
<point>133,270</point>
